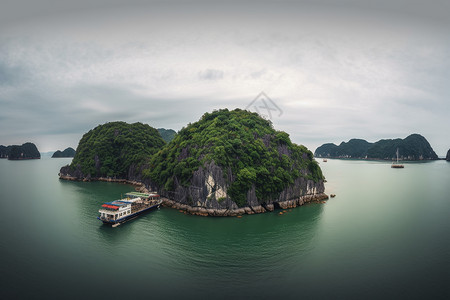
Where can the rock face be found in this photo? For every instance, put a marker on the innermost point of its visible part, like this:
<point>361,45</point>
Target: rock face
<point>207,195</point>
<point>68,152</point>
<point>448,155</point>
<point>25,151</point>
<point>234,162</point>
<point>413,147</point>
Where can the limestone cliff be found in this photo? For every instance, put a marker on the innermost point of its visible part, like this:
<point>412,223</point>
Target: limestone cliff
<point>233,162</point>
<point>207,195</point>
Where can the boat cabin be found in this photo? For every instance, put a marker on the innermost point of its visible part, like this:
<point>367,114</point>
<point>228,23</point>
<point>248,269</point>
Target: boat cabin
<point>117,210</point>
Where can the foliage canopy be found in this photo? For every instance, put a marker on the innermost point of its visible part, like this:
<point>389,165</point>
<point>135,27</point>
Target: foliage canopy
<point>110,149</point>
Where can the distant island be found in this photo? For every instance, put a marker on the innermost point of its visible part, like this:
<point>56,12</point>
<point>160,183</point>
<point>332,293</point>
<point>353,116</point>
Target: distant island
<point>68,152</point>
<point>448,155</point>
<point>226,164</point>
<point>15,152</point>
<point>413,147</point>
<point>167,134</point>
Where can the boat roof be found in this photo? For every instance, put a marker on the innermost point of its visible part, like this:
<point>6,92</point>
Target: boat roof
<point>121,202</point>
<point>110,206</point>
<point>137,194</point>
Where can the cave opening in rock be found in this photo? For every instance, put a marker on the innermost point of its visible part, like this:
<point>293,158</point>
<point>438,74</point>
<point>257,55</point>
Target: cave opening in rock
<point>276,205</point>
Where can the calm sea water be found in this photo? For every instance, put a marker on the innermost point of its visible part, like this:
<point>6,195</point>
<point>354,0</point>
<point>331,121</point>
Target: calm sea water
<point>385,235</point>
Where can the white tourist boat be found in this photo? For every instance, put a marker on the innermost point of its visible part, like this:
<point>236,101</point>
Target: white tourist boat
<point>119,211</point>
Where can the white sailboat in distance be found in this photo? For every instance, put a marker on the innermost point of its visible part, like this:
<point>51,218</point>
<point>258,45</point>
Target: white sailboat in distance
<point>397,165</point>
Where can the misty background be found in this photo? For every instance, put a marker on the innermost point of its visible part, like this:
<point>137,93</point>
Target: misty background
<point>336,69</point>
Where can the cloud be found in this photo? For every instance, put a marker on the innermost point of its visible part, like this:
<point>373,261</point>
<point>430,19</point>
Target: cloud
<point>211,74</point>
<point>362,70</point>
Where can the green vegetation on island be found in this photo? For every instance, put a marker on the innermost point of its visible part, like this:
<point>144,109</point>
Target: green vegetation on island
<point>111,149</point>
<point>68,152</point>
<point>222,163</point>
<point>353,148</point>
<point>413,147</point>
<point>167,134</point>
<point>15,152</point>
<point>250,153</point>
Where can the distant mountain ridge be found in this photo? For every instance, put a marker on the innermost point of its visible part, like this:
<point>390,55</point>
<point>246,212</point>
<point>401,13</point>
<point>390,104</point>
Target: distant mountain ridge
<point>167,134</point>
<point>68,152</point>
<point>413,147</point>
<point>16,152</point>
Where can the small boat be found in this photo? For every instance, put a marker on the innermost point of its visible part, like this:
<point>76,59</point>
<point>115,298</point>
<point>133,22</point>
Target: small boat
<point>119,211</point>
<point>397,165</point>
<point>325,160</point>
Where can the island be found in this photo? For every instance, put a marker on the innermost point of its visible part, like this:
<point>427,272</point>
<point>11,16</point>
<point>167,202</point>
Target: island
<point>167,134</point>
<point>68,152</point>
<point>234,162</point>
<point>448,155</point>
<point>114,151</point>
<point>228,163</point>
<point>414,147</point>
<point>15,152</point>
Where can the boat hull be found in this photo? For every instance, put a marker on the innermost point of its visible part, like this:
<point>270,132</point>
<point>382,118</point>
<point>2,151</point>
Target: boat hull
<point>397,166</point>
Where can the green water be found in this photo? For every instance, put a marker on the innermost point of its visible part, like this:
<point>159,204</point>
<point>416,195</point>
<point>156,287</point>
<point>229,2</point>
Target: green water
<point>385,235</point>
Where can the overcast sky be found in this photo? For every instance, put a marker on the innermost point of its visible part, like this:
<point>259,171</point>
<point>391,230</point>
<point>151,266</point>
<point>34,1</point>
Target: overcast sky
<point>334,70</point>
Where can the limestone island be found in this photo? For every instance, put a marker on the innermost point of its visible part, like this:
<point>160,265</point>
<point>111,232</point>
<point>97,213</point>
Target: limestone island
<point>414,147</point>
<point>448,155</point>
<point>228,163</point>
<point>15,152</point>
<point>68,152</point>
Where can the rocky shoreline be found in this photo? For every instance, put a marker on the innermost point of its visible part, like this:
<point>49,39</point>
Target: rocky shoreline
<point>139,186</point>
<point>248,210</point>
<point>202,211</point>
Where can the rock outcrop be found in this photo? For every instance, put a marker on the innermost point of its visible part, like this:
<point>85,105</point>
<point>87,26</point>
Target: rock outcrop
<point>448,155</point>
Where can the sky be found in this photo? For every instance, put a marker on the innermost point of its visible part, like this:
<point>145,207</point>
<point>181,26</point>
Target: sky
<point>328,70</point>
